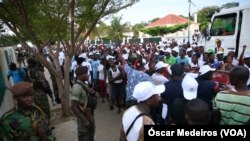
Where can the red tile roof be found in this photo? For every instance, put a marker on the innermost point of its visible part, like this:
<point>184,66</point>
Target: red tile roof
<point>169,19</point>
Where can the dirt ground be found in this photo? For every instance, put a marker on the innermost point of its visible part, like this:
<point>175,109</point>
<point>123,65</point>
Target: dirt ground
<point>57,118</point>
<point>107,124</point>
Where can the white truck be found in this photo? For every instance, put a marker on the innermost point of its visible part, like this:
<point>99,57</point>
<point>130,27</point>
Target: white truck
<point>232,27</point>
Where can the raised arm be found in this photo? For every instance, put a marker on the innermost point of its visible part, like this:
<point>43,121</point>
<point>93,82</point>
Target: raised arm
<point>241,60</point>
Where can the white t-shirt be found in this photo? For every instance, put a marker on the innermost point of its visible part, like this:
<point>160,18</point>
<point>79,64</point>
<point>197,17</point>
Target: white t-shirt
<point>101,71</point>
<point>73,67</point>
<point>115,74</point>
<point>61,58</point>
<point>199,64</point>
<point>127,118</point>
<point>89,69</point>
<point>158,79</point>
<point>83,55</point>
<point>86,63</point>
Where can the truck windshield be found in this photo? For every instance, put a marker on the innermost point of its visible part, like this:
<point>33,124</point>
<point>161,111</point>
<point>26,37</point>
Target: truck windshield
<point>223,25</point>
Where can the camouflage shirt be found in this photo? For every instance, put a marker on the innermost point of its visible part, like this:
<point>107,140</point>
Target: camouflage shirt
<point>19,125</point>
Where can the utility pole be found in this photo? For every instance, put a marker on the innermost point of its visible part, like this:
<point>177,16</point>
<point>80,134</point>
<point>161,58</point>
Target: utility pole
<point>189,9</point>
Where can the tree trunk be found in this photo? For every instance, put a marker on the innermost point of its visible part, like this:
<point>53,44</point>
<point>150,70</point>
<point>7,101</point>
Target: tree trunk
<point>63,87</point>
<point>64,97</point>
<point>56,72</point>
<point>65,93</point>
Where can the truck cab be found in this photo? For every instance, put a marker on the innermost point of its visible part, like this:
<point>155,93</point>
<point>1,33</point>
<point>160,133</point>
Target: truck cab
<point>232,27</point>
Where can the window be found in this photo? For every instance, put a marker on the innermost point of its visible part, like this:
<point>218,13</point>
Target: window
<point>223,25</point>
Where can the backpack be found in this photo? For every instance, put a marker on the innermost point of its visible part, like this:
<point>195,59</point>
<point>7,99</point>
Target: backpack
<point>92,99</point>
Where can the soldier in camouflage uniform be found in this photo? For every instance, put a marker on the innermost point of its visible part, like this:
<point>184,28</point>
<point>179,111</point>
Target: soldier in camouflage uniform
<point>40,87</point>
<point>85,122</point>
<point>39,84</point>
<point>25,122</point>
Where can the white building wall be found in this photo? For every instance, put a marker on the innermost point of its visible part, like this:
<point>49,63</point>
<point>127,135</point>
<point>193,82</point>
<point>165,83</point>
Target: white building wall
<point>8,102</point>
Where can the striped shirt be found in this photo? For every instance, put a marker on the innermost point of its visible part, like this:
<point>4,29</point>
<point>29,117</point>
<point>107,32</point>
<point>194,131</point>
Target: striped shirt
<point>234,107</point>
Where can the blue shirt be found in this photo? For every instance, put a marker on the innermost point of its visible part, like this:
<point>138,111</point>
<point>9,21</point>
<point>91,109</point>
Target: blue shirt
<point>216,64</point>
<point>95,65</point>
<point>17,75</point>
<point>134,77</point>
<point>180,60</point>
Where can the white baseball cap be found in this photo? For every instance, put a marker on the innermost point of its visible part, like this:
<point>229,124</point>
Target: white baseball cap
<point>162,49</point>
<point>189,49</point>
<point>190,87</point>
<point>158,79</point>
<point>168,50</point>
<point>206,68</point>
<point>194,45</point>
<point>176,49</point>
<point>144,90</point>
<point>160,65</point>
<point>125,56</point>
<point>110,57</point>
<point>220,52</point>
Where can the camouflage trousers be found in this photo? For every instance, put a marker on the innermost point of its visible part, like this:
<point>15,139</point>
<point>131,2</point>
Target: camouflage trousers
<point>85,133</point>
<point>41,100</point>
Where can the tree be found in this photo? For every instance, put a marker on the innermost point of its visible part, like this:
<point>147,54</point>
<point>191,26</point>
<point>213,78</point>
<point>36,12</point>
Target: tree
<point>153,20</point>
<point>230,5</point>
<point>191,17</point>
<point>137,28</point>
<point>117,29</point>
<point>204,14</point>
<point>101,30</point>
<point>5,38</point>
<point>66,22</point>
<point>160,31</point>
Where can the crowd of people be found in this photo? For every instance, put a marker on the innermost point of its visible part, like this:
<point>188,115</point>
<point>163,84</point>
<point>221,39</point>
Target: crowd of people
<point>151,84</point>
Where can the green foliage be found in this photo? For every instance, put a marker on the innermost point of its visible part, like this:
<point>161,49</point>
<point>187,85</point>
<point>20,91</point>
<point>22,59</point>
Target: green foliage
<point>8,40</point>
<point>204,16</point>
<point>153,20</point>
<point>117,29</point>
<point>191,17</point>
<point>67,21</point>
<point>44,21</point>
<point>34,20</point>
<point>99,31</point>
<point>160,31</point>
<point>230,5</point>
<point>137,28</point>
